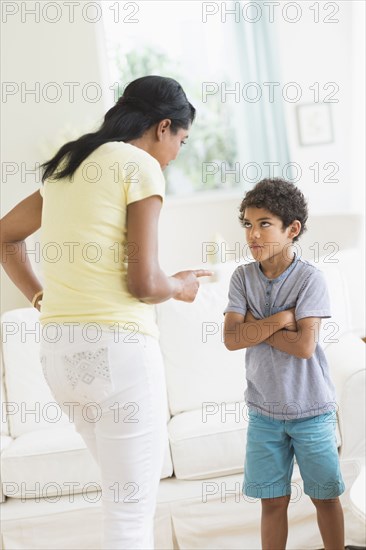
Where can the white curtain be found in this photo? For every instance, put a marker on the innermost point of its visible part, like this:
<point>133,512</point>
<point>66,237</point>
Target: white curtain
<point>263,121</point>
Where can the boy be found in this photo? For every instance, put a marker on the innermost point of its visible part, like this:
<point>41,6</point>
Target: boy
<point>275,308</point>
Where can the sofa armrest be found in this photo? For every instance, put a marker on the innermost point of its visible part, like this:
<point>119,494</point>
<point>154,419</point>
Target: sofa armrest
<point>5,440</point>
<point>346,360</point>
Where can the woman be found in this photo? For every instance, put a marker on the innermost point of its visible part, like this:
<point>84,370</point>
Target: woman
<point>98,210</point>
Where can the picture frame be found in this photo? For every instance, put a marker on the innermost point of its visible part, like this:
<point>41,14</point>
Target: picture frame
<point>314,124</point>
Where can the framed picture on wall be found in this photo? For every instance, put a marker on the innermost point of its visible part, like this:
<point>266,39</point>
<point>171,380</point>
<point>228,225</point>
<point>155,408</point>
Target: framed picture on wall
<point>314,123</point>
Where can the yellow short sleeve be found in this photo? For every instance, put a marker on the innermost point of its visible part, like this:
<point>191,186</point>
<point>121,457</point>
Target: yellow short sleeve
<point>143,177</point>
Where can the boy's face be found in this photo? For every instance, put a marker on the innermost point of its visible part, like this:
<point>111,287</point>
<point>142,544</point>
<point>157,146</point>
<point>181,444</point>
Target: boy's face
<point>266,235</point>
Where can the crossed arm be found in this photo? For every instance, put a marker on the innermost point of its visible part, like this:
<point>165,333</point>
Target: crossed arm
<point>281,331</point>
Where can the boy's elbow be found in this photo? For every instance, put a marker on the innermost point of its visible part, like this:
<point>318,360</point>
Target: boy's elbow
<point>232,344</point>
<point>307,351</point>
<point>228,344</point>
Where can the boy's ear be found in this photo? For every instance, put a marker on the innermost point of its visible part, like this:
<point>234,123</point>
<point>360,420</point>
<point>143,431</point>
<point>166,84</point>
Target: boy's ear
<point>295,228</point>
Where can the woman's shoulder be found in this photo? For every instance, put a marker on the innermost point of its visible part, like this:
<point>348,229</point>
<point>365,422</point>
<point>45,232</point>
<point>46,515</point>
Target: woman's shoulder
<point>127,152</point>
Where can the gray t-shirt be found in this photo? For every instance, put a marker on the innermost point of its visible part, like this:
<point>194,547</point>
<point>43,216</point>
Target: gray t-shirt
<point>281,385</point>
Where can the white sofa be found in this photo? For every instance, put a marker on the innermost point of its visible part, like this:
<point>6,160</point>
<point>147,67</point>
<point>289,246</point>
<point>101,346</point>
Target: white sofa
<point>51,486</point>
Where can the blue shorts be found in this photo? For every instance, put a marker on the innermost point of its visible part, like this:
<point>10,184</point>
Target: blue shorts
<point>271,448</point>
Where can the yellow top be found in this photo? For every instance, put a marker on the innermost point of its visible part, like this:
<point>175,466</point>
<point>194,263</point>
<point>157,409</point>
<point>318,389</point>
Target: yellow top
<point>83,240</point>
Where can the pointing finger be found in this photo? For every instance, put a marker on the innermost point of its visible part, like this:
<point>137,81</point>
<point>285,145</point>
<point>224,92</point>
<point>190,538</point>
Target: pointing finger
<point>203,273</point>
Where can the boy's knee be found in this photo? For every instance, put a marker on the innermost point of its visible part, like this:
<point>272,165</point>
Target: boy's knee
<point>276,503</point>
<point>321,503</point>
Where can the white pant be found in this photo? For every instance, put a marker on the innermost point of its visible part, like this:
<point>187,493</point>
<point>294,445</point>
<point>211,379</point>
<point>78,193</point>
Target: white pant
<point>113,389</point>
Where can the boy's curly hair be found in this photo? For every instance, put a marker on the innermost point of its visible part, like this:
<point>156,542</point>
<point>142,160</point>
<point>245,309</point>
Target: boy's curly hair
<point>281,198</point>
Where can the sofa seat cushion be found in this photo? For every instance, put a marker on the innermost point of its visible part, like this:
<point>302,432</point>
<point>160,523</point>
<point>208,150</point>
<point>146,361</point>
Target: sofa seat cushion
<point>209,441</point>
<point>43,462</point>
<point>50,463</point>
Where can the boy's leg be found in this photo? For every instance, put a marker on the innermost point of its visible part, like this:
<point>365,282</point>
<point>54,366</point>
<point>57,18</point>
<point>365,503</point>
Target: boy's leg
<point>267,475</point>
<point>331,523</point>
<point>316,451</point>
<point>274,526</point>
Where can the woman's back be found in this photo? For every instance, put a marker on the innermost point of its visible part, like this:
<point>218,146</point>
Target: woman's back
<point>83,238</point>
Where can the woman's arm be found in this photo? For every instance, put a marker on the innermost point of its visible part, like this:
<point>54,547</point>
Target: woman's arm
<point>23,220</point>
<point>244,332</point>
<point>145,280</point>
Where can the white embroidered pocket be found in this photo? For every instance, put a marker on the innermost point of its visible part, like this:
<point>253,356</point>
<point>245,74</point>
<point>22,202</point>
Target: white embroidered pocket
<point>88,374</point>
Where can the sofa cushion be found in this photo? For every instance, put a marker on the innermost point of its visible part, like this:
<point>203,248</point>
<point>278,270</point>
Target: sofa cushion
<point>53,463</point>
<point>340,321</point>
<point>42,462</point>
<point>347,361</point>
<point>30,404</point>
<point>352,265</point>
<point>5,442</point>
<point>198,366</point>
<point>209,442</point>
<point>204,370</point>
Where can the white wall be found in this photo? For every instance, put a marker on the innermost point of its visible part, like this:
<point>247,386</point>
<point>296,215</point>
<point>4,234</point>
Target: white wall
<point>309,52</point>
<point>32,126</point>
<point>326,52</point>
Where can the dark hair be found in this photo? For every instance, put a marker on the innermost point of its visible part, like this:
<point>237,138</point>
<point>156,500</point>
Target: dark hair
<point>145,102</point>
<point>281,198</point>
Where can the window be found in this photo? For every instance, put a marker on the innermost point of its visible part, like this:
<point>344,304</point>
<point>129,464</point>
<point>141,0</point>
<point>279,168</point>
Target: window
<point>220,62</point>
<point>170,39</point>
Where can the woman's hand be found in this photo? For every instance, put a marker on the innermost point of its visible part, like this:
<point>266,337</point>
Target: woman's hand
<point>189,283</point>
